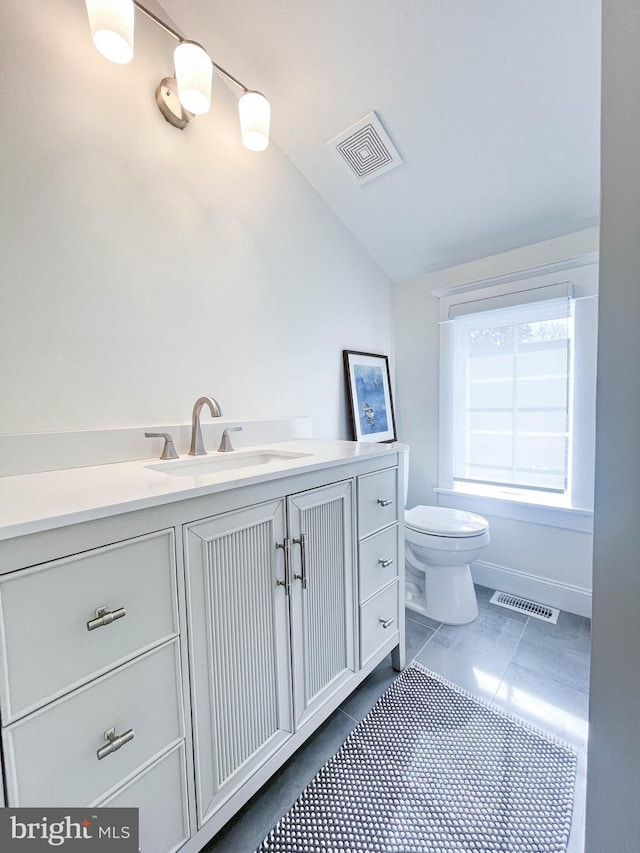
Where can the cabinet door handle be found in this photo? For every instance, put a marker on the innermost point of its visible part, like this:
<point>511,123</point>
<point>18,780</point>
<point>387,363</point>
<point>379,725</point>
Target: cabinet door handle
<point>286,547</point>
<point>386,502</point>
<point>387,622</point>
<point>302,542</point>
<point>114,742</point>
<point>385,563</point>
<point>105,617</point>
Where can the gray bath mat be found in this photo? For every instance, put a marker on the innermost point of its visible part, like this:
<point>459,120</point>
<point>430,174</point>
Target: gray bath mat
<point>431,768</point>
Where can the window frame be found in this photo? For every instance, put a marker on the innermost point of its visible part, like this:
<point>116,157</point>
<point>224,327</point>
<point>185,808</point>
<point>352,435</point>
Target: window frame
<point>575,511</point>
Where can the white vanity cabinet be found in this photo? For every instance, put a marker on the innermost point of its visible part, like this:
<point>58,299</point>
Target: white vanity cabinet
<point>271,621</point>
<point>172,656</point>
<point>380,561</point>
<point>89,653</point>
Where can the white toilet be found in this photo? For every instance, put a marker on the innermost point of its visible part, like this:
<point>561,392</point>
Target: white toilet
<point>440,543</point>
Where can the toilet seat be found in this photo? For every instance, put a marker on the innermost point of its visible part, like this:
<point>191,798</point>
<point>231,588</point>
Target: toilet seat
<point>445,522</point>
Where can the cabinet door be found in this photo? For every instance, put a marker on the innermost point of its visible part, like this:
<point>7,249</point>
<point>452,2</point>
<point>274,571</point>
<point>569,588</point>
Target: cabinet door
<point>239,647</point>
<point>322,594</point>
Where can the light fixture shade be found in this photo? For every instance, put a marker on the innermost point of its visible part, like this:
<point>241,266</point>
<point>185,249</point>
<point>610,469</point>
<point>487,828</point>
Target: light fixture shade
<point>111,23</point>
<point>194,72</point>
<point>255,115</point>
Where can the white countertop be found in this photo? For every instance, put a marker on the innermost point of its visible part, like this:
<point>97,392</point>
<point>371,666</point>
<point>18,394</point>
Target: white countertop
<point>34,502</point>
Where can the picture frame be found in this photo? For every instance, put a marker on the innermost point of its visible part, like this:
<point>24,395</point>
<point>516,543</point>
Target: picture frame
<point>370,399</point>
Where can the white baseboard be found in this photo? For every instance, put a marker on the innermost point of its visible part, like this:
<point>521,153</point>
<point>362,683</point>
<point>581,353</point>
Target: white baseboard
<point>564,596</point>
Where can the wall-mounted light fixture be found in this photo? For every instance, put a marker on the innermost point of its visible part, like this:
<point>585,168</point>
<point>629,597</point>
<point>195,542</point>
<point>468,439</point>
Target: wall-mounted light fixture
<point>188,93</point>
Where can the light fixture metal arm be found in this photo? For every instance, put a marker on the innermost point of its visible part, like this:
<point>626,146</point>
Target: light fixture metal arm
<point>156,20</point>
<point>229,77</point>
<point>180,37</point>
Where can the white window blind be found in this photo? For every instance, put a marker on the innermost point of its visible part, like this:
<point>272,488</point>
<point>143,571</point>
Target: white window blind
<point>512,394</point>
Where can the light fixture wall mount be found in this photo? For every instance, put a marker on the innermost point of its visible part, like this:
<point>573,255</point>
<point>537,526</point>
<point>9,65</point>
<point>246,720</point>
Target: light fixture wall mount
<point>169,104</point>
<point>188,93</point>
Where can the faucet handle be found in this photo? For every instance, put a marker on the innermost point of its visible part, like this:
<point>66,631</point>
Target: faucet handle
<point>225,441</point>
<point>168,451</point>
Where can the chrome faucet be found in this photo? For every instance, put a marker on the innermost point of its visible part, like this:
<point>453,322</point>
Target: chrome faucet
<point>197,447</point>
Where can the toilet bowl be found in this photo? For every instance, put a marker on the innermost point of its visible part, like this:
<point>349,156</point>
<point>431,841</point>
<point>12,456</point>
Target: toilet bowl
<point>440,544</point>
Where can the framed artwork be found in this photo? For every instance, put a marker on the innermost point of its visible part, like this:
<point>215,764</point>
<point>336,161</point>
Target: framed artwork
<point>370,400</point>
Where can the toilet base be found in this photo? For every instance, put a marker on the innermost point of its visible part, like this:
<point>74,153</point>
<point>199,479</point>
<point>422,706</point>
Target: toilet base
<point>450,596</point>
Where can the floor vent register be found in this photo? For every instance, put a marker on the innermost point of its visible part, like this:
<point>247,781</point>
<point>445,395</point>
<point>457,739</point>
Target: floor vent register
<point>523,605</point>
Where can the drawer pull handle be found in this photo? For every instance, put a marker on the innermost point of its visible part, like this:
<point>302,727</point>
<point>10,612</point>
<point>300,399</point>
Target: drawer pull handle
<point>386,502</point>
<point>387,622</point>
<point>105,617</point>
<point>385,563</point>
<point>114,742</point>
<point>302,542</point>
<point>286,547</point>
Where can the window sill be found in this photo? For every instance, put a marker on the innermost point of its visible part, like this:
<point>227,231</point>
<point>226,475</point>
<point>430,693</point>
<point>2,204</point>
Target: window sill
<point>518,509</point>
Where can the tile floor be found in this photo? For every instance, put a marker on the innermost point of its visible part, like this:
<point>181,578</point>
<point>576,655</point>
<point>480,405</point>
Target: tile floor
<point>535,670</point>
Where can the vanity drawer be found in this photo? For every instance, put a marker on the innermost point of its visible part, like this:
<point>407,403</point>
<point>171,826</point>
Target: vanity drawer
<point>377,501</point>
<point>378,621</point>
<point>60,742</point>
<point>377,561</point>
<point>47,648</point>
<point>160,793</point>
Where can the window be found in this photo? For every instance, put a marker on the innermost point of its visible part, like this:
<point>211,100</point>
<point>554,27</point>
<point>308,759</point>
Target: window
<point>517,401</point>
<point>513,391</point>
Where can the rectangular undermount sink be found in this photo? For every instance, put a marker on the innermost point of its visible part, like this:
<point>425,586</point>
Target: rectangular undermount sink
<point>215,462</point>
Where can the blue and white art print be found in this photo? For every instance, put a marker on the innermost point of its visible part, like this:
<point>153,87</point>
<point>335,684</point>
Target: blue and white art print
<point>371,406</point>
<point>372,416</point>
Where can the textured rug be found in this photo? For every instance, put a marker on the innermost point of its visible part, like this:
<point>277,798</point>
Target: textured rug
<point>431,768</point>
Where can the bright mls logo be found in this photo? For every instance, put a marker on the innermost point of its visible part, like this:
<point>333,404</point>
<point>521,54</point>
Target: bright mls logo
<point>103,830</point>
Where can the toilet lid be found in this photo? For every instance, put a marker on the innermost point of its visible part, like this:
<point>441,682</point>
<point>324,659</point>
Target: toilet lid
<point>442,521</point>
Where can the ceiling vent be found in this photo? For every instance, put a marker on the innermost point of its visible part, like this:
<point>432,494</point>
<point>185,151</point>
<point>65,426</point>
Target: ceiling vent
<point>365,149</point>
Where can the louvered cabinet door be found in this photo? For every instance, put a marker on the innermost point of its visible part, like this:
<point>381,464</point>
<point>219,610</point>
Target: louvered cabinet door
<point>239,638</point>
<point>322,594</point>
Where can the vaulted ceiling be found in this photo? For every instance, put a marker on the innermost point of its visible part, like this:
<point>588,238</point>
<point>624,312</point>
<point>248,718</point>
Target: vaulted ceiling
<point>494,107</point>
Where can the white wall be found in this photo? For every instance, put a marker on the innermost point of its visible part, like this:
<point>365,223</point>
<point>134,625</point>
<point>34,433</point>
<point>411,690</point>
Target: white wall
<point>613,787</point>
<point>142,266</point>
<point>527,559</point>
